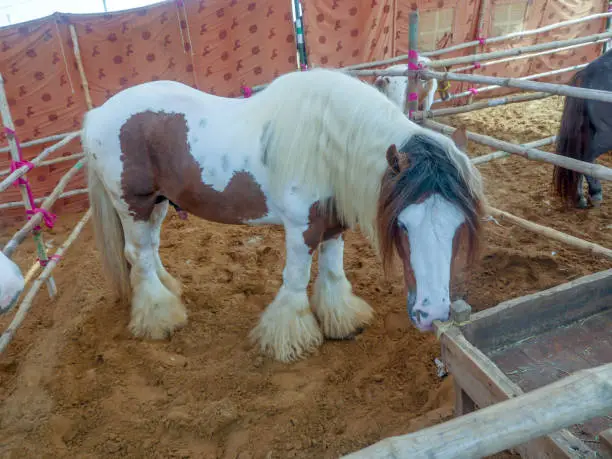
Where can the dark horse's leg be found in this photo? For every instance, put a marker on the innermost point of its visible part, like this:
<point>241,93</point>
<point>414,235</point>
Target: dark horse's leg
<point>600,144</point>
<point>600,120</point>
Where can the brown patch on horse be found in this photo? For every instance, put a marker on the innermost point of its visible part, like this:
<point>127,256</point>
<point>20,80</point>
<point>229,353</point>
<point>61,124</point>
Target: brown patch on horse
<point>157,164</point>
<point>322,225</point>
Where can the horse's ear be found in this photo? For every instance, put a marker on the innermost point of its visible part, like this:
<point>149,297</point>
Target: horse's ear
<point>397,161</point>
<point>381,82</point>
<point>393,158</point>
<point>460,138</point>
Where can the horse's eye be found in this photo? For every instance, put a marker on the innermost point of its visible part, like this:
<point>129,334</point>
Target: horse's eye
<point>402,226</point>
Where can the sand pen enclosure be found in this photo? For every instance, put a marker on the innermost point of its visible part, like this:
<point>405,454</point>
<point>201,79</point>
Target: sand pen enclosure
<point>75,383</point>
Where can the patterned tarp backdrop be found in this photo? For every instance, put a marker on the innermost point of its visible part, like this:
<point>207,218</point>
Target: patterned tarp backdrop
<point>220,45</point>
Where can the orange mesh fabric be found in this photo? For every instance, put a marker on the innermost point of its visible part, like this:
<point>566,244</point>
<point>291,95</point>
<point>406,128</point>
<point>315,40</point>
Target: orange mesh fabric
<point>216,46</point>
<point>45,98</point>
<point>240,43</point>
<point>124,49</point>
<point>340,33</point>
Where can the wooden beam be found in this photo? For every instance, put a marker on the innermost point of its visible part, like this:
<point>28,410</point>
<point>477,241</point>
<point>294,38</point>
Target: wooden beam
<point>412,95</point>
<point>594,170</point>
<point>550,233</point>
<point>503,154</point>
<point>26,304</point>
<point>558,89</point>
<point>480,105</point>
<point>474,43</point>
<point>605,438</point>
<point>574,399</point>
<point>79,61</point>
<point>529,315</point>
<point>20,235</point>
<point>517,51</point>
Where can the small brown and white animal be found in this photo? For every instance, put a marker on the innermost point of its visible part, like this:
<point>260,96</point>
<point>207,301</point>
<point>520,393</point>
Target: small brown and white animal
<point>395,87</point>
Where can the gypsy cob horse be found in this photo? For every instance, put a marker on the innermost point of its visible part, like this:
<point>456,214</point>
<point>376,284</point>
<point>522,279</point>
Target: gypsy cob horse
<point>318,152</point>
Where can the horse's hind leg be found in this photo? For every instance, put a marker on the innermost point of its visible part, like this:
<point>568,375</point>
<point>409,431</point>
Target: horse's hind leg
<point>157,218</point>
<point>156,310</point>
<point>340,312</point>
<point>581,201</point>
<point>601,143</point>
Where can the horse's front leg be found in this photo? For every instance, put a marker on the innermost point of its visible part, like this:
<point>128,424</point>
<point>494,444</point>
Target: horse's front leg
<point>340,312</point>
<point>288,330</point>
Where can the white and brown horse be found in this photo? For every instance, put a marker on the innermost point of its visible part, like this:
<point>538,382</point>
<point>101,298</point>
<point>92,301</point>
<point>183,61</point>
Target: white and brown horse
<point>396,87</point>
<point>317,152</point>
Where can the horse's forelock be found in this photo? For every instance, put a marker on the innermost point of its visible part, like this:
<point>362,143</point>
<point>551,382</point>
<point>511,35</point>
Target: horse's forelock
<point>431,170</point>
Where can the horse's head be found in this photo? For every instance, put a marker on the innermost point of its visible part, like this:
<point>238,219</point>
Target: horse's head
<point>431,200</point>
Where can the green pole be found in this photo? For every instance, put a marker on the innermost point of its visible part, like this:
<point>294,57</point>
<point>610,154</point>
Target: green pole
<point>299,33</point>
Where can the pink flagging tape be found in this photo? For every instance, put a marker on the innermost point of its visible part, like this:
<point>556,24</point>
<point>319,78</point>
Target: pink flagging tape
<point>246,91</point>
<point>44,263</point>
<point>474,91</point>
<point>413,96</point>
<point>48,217</point>
<point>482,40</point>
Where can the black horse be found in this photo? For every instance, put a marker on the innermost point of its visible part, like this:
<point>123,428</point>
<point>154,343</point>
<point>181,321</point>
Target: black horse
<point>585,133</point>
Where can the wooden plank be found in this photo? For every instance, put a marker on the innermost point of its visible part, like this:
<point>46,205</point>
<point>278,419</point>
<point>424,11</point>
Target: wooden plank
<point>550,356</point>
<point>605,438</point>
<point>485,384</point>
<point>517,319</point>
<point>495,428</point>
<point>463,403</point>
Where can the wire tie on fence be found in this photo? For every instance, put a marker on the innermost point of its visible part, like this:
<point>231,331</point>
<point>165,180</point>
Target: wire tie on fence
<point>482,40</point>
<point>48,217</point>
<point>476,65</point>
<point>473,91</point>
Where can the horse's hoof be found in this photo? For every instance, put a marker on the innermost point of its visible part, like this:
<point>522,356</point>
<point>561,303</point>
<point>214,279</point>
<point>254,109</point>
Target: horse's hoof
<point>350,337</point>
<point>596,199</point>
<point>582,203</point>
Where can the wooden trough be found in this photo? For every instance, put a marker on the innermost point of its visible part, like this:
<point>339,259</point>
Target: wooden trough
<point>523,370</point>
<point>529,342</point>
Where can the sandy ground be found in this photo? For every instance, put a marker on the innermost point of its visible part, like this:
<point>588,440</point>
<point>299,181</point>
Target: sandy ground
<point>75,383</point>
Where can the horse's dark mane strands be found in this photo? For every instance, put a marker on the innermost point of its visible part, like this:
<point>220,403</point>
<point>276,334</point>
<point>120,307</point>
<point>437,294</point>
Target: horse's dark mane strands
<point>429,171</point>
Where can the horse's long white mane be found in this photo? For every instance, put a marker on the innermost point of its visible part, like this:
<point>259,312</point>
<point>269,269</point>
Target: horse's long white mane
<point>330,133</point>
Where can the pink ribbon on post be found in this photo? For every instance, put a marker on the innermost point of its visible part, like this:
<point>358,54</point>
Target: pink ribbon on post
<point>246,91</point>
<point>18,165</point>
<point>44,263</point>
<point>48,217</point>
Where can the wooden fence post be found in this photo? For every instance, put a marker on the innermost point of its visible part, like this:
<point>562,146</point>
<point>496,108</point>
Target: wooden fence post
<point>412,96</point>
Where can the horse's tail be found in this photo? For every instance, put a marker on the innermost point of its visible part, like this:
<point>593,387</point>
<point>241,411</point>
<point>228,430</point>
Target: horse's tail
<point>572,142</point>
<point>107,228</point>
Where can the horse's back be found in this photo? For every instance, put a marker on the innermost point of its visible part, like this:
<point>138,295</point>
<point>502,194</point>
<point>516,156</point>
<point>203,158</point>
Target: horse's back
<point>598,75</point>
<point>155,96</point>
